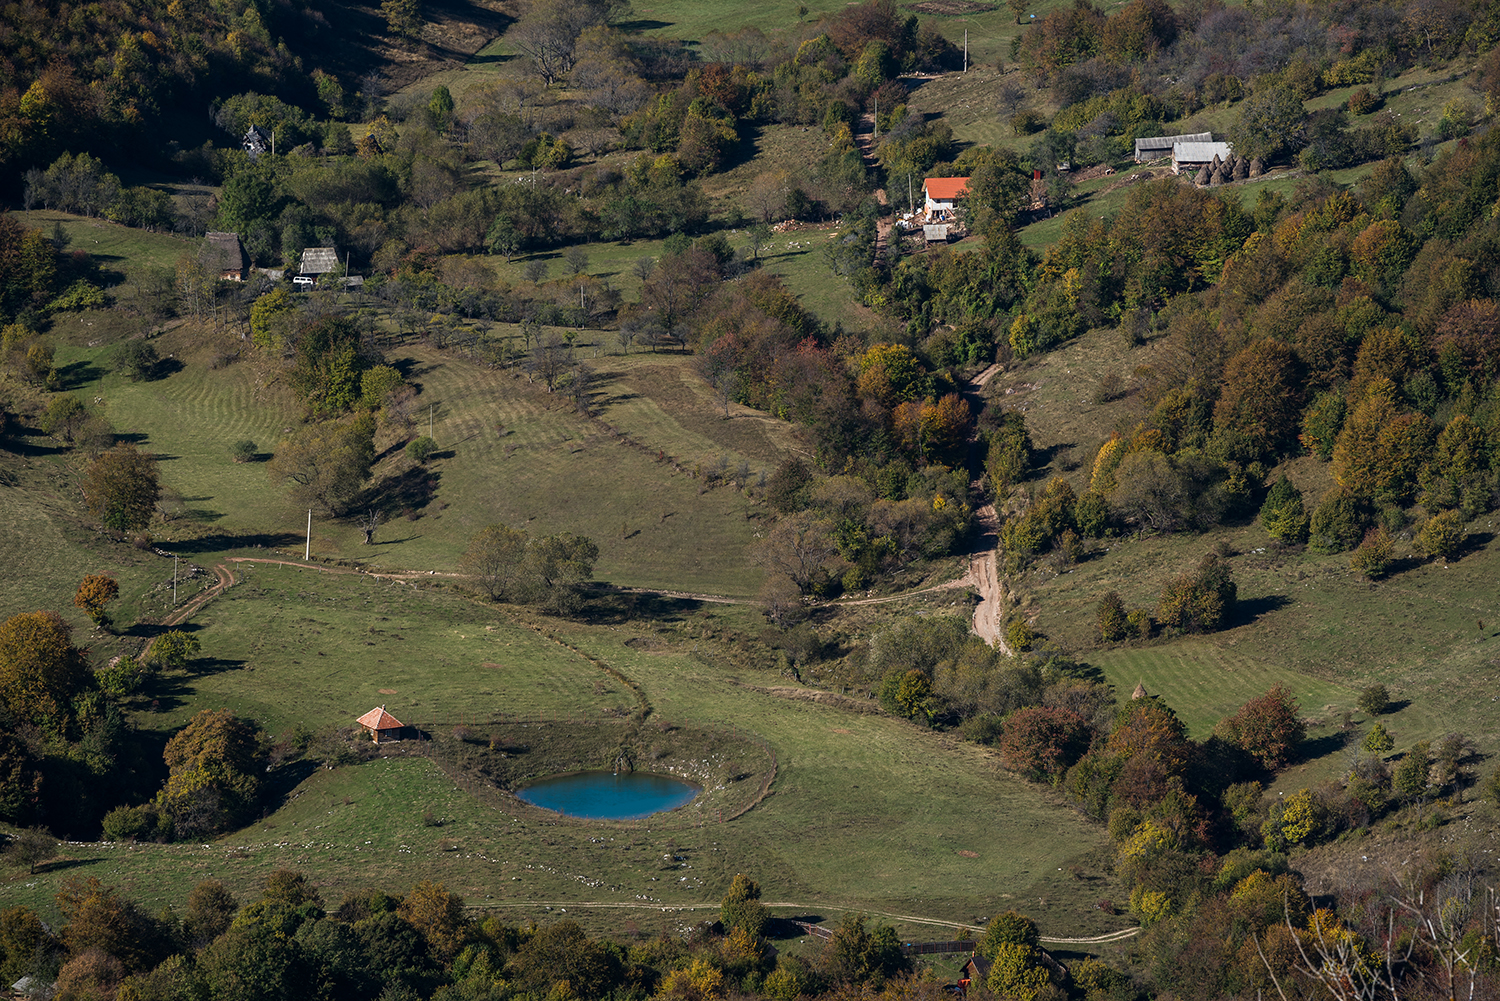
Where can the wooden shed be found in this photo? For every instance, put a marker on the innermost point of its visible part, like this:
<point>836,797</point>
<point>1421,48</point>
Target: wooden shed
<point>935,232</point>
<point>224,256</point>
<point>381,725</point>
<point>977,968</point>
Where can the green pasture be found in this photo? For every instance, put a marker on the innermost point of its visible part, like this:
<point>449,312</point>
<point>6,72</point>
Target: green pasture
<point>112,246</point>
<point>866,812</point>
<point>691,20</point>
<point>293,646</point>
<point>509,452</point>
<point>46,550</point>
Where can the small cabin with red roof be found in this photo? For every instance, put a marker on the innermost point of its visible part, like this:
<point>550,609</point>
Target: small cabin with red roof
<point>941,194</point>
<point>382,725</point>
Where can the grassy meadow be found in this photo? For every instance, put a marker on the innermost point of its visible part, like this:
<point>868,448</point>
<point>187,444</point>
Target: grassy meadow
<point>941,832</point>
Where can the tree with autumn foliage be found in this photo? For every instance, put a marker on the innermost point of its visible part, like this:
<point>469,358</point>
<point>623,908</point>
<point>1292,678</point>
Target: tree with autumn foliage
<point>1259,409</point>
<point>94,592</point>
<point>41,671</point>
<point>438,915</point>
<point>216,762</point>
<point>1148,726</point>
<point>98,917</point>
<point>1268,728</point>
<point>1382,448</point>
<point>1043,742</point>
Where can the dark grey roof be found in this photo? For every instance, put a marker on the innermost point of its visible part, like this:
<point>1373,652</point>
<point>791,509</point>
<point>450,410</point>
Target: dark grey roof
<point>222,252</point>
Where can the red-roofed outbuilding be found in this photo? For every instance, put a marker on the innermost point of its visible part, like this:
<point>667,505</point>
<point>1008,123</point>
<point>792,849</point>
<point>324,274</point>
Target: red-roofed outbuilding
<point>381,724</point>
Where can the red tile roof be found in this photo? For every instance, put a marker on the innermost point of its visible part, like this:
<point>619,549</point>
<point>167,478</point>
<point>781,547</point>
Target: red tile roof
<point>379,719</point>
<point>945,189</point>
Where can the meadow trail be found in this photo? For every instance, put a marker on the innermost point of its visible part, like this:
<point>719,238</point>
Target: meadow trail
<point>223,578</point>
<point>1114,936</point>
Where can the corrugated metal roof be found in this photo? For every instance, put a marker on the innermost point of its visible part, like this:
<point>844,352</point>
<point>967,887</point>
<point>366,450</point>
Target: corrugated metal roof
<point>379,719</point>
<point>945,189</point>
<point>1167,142</point>
<point>319,260</point>
<point>1198,152</point>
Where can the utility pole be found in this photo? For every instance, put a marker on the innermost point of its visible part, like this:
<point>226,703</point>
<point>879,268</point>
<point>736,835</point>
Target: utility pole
<point>307,553</point>
<point>877,120</point>
<point>174,582</point>
<point>966,50</point>
<point>429,420</point>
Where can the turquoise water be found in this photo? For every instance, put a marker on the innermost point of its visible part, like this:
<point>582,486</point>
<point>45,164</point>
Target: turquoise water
<point>607,796</point>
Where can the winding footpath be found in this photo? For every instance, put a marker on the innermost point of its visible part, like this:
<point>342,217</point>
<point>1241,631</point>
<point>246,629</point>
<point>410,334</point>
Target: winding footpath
<point>1108,937</point>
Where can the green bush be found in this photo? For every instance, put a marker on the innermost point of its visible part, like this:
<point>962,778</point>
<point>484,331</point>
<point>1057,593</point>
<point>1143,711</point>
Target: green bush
<point>1092,514</point>
<point>1025,123</point>
<point>1339,522</point>
<point>1110,616</point>
<point>1010,928</point>
<point>1409,780</point>
<point>1199,602</point>
<point>1378,740</point>
<point>1490,787</point>
<point>132,823</point>
<point>136,360</point>
<point>1443,535</point>
<point>421,449</point>
<point>243,451</point>
<point>1019,635</point>
<point>1363,101</point>
<point>1283,514</point>
<point>1374,700</point>
<point>79,296</point>
<point>1373,557</point>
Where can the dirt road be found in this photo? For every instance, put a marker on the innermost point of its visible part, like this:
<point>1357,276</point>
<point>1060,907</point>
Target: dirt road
<point>984,570</point>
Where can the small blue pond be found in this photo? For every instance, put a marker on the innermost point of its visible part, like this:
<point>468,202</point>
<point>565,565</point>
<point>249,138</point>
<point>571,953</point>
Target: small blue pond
<point>608,796</point>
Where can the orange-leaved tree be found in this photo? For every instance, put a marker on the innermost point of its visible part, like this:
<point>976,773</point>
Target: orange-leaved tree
<point>94,592</point>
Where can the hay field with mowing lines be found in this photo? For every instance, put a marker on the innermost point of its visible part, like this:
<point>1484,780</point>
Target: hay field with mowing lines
<point>189,420</point>
<point>553,470</point>
<point>550,470</point>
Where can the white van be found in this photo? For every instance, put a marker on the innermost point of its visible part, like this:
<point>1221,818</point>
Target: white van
<point>306,281</point>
